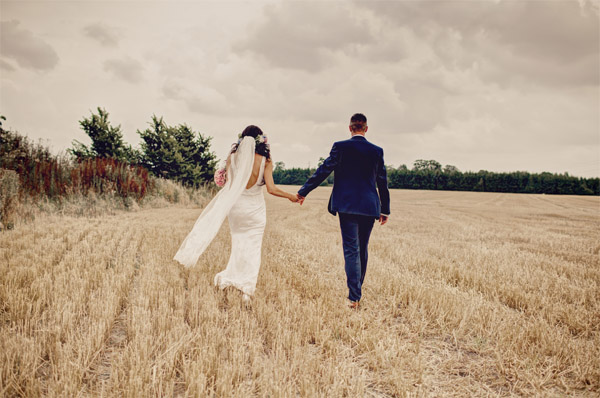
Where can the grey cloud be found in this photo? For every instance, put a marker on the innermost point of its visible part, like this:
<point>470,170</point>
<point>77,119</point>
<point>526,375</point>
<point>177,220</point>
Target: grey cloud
<point>391,51</point>
<point>6,66</point>
<point>553,28</point>
<point>28,50</point>
<point>552,42</point>
<point>172,91</point>
<point>296,36</point>
<point>507,67</point>
<point>424,105</point>
<point>127,69</point>
<point>102,33</point>
<point>203,100</point>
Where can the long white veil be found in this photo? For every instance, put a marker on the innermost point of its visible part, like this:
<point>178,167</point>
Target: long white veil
<point>209,222</point>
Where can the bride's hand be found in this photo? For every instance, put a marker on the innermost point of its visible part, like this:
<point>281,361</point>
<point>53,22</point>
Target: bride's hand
<point>293,199</point>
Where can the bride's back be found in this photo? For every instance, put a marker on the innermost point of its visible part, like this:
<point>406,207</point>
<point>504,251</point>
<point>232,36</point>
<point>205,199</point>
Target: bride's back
<point>258,169</point>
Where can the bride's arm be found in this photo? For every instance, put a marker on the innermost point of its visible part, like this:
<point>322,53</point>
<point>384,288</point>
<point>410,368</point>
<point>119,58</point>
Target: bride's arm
<point>272,188</point>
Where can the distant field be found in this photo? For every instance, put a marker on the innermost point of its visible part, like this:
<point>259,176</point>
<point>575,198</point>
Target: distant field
<point>467,294</point>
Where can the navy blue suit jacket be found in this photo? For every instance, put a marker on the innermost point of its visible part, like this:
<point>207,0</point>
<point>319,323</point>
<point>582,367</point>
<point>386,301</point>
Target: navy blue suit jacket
<point>359,169</point>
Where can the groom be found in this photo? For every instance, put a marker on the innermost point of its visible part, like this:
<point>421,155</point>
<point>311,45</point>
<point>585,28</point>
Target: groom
<point>359,168</point>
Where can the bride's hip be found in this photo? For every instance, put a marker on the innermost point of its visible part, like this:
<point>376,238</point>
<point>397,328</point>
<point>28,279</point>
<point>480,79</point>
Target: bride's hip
<point>250,201</point>
<point>250,209</point>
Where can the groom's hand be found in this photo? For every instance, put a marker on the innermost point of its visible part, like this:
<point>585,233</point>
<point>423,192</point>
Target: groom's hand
<point>300,198</point>
<point>383,219</point>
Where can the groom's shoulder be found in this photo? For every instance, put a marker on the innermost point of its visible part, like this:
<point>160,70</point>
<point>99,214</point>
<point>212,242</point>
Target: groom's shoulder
<point>350,141</point>
<point>369,143</point>
<point>341,144</point>
<point>376,146</point>
<point>376,149</point>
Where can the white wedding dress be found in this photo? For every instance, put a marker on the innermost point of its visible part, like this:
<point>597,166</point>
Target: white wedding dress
<point>247,220</point>
<point>246,211</point>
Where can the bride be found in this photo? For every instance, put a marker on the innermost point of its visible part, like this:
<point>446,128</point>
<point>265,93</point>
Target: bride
<point>249,168</point>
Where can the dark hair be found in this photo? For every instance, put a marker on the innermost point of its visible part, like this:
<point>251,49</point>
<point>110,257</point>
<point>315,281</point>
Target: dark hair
<point>358,121</point>
<point>262,148</point>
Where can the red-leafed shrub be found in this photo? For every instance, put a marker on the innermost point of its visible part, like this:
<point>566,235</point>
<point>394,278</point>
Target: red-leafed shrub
<point>42,174</point>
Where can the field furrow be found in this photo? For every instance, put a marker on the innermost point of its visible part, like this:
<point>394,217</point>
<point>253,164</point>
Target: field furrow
<point>467,294</point>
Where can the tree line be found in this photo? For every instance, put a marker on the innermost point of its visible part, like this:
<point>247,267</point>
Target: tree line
<point>107,166</point>
<point>179,153</point>
<point>429,174</point>
<point>108,169</point>
<point>173,152</point>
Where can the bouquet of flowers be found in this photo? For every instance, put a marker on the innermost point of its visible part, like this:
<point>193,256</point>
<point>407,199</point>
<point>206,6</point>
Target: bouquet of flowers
<point>221,177</point>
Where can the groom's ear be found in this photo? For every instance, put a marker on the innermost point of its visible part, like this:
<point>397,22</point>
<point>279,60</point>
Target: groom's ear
<point>366,128</point>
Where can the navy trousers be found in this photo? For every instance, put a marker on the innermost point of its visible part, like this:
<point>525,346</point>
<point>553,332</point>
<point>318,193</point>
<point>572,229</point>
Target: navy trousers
<point>356,230</point>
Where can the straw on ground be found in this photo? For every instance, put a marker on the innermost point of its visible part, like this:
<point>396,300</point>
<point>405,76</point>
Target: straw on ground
<point>466,294</point>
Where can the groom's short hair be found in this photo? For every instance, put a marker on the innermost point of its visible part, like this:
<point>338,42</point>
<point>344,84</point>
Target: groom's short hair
<point>358,122</point>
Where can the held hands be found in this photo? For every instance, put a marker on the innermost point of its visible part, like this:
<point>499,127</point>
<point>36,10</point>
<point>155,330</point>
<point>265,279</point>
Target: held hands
<point>294,198</point>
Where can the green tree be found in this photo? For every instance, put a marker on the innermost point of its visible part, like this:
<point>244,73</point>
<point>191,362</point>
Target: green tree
<point>279,166</point>
<point>428,174</point>
<point>279,172</point>
<point>449,169</point>
<point>427,165</point>
<point>107,140</point>
<point>177,152</point>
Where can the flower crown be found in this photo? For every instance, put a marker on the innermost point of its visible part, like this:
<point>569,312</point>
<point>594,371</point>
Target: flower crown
<point>259,139</point>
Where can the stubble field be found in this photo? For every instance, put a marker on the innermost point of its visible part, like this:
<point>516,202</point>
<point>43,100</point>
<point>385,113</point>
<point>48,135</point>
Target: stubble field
<point>467,294</point>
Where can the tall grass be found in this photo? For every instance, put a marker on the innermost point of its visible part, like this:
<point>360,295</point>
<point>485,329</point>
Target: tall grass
<point>9,195</point>
<point>110,176</point>
<point>58,183</point>
<point>56,176</point>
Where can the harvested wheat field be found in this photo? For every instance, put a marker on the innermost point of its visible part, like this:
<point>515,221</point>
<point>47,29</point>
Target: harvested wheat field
<point>467,294</point>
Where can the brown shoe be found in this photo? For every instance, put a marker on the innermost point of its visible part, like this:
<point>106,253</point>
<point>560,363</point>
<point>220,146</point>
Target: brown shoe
<point>353,305</point>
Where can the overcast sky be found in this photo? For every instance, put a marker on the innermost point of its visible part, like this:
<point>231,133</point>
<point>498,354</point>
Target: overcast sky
<point>482,84</point>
